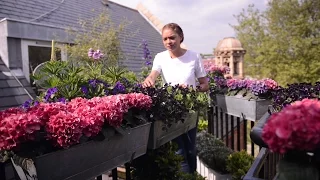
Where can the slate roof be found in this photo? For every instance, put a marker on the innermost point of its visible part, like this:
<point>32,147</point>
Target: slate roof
<point>66,13</point>
<point>12,93</point>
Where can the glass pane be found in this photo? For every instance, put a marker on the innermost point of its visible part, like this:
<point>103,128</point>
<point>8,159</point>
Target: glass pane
<point>38,55</point>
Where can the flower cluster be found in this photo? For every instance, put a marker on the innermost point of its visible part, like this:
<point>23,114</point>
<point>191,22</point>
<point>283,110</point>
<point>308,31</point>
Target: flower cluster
<point>66,123</point>
<point>211,68</point>
<point>295,92</point>
<point>96,55</point>
<point>50,93</point>
<point>146,53</point>
<point>246,87</point>
<point>296,127</point>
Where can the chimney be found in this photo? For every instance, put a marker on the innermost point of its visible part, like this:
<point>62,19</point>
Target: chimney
<point>105,2</point>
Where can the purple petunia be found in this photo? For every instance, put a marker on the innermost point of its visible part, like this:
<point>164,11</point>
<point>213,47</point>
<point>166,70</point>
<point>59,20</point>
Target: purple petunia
<point>49,93</point>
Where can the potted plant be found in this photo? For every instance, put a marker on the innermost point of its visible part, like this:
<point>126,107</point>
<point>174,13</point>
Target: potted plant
<point>248,99</point>
<point>212,157</point>
<point>48,138</point>
<point>296,128</point>
<point>173,112</point>
<point>82,111</point>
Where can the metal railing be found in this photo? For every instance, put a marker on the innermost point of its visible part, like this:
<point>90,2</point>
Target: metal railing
<point>264,166</point>
<point>234,131</point>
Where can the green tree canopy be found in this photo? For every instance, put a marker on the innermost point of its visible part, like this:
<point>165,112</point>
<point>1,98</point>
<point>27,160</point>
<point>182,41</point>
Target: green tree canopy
<point>282,42</point>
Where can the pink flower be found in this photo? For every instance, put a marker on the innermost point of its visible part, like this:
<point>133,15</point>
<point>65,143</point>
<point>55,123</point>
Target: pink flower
<point>66,123</point>
<point>295,127</point>
<point>271,84</point>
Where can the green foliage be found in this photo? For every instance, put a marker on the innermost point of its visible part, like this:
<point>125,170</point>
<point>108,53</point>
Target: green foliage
<point>212,152</point>
<point>98,33</point>
<point>160,164</point>
<point>239,163</point>
<point>282,42</point>
<point>188,176</point>
<point>61,74</point>
<point>114,74</point>
<point>202,125</point>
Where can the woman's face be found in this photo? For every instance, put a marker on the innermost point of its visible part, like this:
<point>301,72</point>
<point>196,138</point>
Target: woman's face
<point>171,40</point>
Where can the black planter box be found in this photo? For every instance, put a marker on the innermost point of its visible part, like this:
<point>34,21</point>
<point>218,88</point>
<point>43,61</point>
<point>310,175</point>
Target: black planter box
<point>93,158</point>
<point>159,137</point>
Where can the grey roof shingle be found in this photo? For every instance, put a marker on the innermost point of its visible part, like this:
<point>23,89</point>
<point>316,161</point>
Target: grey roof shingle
<point>12,94</point>
<point>67,13</point>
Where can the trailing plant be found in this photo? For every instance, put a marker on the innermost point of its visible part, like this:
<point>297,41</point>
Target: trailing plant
<point>212,152</point>
<point>283,97</point>
<point>239,163</point>
<point>171,103</point>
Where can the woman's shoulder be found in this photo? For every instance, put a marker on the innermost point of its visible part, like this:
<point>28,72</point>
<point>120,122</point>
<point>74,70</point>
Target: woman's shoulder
<point>163,53</point>
<point>193,54</point>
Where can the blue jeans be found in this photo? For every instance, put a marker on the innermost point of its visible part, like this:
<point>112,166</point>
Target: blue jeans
<point>187,148</point>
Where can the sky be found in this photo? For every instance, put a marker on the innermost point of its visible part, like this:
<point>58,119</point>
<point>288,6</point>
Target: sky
<point>204,22</point>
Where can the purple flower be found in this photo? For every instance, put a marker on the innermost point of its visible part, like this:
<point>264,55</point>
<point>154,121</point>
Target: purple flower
<point>93,83</point>
<point>146,52</point>
<point>118,88</point>
<point>26,104</point>
<point>49,93</point>
<point>220,81</point>
<point>95,54</point>
<point>36,103</point>
<point>90,52</point>
<point>84,90</point>
<point>148,63</point>
<point>62,100</point>
<point>258,88</point>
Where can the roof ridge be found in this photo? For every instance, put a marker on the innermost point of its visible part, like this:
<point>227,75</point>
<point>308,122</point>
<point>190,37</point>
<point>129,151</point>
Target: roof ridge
<point>123,6</point>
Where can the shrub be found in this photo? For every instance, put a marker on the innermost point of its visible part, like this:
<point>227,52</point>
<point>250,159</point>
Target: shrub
<point>202,125</point>
<point>162,163</point>
<point>212,152</point>
<point>239,163</point>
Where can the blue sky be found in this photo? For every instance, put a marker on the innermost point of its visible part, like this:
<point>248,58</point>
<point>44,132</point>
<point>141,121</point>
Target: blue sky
<point>204,22</point>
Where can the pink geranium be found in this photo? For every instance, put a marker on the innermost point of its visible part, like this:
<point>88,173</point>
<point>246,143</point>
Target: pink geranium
<point>296,127</point>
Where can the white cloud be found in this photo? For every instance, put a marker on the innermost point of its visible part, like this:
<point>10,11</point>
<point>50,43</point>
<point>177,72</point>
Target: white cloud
<point>204,22</point>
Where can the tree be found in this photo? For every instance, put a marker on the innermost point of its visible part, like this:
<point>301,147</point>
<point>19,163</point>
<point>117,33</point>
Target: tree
<point>282,42</point>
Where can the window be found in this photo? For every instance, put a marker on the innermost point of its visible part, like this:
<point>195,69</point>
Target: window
<point>235,68</point>
<point>38,55</point>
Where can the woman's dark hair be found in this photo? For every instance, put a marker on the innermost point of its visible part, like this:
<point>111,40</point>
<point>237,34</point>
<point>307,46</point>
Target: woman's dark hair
<point>176,28</point>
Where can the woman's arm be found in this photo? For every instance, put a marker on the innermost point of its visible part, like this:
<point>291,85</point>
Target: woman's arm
<point>203,84</point>
<point>151,79</point>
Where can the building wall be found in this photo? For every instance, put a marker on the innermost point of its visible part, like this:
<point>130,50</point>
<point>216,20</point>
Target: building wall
<point>14,52</point>
<point>3,43</point>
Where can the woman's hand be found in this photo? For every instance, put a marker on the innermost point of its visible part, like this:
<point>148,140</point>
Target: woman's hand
<point>151,79</point>
<point>148,82</point>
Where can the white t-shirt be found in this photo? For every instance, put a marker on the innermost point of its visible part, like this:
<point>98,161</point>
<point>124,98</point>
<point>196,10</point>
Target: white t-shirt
<point>185,69</point>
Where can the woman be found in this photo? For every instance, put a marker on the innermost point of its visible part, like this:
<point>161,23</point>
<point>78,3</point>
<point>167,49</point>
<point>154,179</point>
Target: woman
<point>183,67</point>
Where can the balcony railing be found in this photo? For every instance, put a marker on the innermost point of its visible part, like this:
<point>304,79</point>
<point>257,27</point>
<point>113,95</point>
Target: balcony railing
<point>234,131</point>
